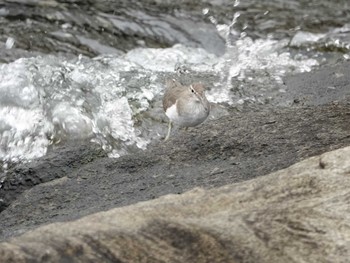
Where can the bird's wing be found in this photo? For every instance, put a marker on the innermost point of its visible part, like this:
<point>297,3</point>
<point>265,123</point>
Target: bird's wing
<point>174,88</point>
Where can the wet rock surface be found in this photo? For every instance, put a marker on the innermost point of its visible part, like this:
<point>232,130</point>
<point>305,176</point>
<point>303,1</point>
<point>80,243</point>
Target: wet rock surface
<point>300,213</point>
<point>296,214</point>
<point>98,27</point>
<point>92,28</point>
<point>78,179</point>
<point>327,84</point>
<point>69,28</point>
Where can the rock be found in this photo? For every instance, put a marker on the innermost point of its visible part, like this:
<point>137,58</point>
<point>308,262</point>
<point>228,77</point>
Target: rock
<point>78,179</point>
<point>325,85</point>
<point>299,214</point>
<point>234,148</point>
<point>47,168</point>
<point>92,28</point>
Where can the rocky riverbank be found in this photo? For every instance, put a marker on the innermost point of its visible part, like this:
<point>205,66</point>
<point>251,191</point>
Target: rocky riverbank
<point>264,183</point>
<point>296,214</point>
<point>78,179</point>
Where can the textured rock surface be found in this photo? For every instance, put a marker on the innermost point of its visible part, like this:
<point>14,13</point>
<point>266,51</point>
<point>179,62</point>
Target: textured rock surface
<point>99,27</point>
<point>78,179</point>
<point>299,214</point>
<point>234,148</point>
<point>325,85</point>
<point>92,27</point>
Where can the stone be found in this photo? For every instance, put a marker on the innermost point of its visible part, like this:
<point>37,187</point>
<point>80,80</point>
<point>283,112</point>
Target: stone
<point>298,214</point>
<point>78,180</point>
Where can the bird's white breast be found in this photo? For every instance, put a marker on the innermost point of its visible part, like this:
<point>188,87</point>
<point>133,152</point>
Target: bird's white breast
<point>172,113</point>
<point>193,115</point>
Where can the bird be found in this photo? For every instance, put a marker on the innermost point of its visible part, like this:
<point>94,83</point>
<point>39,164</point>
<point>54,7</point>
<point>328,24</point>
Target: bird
<point>185,106</point>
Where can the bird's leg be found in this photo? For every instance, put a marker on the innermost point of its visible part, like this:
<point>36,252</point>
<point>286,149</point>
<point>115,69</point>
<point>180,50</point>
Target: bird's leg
<point>169,130</point>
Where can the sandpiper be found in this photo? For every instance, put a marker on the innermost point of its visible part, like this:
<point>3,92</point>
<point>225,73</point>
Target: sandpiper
<point>185,106</point>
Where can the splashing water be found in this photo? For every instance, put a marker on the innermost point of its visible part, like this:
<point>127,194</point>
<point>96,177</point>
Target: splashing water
<point>254,70</point>
<point>49,100</point>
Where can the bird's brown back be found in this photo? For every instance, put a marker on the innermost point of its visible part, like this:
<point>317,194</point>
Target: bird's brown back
<point>173,90</point>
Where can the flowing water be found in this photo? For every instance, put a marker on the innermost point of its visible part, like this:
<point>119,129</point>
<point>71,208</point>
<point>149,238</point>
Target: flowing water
<point>114,100</point>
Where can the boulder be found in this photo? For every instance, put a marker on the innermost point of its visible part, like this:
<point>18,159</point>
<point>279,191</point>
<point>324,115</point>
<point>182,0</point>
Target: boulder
<point>73,181</point>
<point>299,214</point>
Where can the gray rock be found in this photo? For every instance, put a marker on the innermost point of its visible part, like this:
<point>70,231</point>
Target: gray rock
<point>327,84</point>
<point>99,27</point>
<point>78,179</point>
<point>234,148</point>
<point>299,214</point>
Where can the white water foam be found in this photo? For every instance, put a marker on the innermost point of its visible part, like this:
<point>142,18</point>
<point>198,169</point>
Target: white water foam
<point>262,63</point>
<point>47,100</point>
